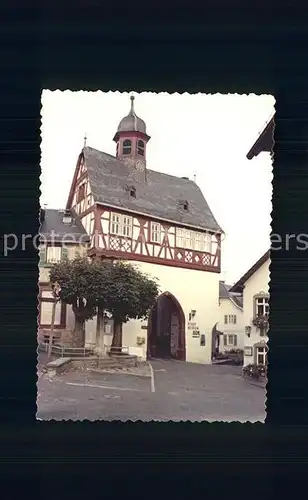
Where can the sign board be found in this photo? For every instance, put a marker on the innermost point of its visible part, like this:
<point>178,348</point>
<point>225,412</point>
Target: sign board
<point>196,334</point>
<point>107,329</point>
<point>248,351</point>
<point>192,326</point>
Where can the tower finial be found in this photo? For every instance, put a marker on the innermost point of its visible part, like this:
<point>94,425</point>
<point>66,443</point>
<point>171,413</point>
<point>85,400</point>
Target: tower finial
<point>85,140</point>
<point>132,98</point>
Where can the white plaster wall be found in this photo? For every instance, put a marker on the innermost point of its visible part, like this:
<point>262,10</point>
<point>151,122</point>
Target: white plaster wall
<point>43,274</point>
<point>226,307</point>
<point>258,282</point>
<point>194,290</point>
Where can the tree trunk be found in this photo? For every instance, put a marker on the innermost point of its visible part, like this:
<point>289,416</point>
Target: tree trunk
<point>99,327</point>
<point>116,343</point>
<point>79,332</point>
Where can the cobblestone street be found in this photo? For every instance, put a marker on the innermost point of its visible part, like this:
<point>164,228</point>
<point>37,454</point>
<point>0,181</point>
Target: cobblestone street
<point>177,391</point>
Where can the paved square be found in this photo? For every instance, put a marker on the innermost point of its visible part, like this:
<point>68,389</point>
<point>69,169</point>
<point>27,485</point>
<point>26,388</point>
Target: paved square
<point>183,391</point>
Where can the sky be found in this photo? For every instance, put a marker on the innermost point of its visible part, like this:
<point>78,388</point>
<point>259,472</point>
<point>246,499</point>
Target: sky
<point>191,134</point>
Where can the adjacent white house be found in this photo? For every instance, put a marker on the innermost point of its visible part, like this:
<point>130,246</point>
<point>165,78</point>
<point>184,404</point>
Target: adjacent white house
<point>255,288</point>
<point>230,319</point>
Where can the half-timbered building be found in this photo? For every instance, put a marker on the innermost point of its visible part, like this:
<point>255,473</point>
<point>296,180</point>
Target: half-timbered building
<point>164,225</point>
<point>62,236</point>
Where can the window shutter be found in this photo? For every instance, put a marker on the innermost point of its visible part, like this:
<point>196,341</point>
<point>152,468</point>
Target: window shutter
<point>64,253</point>
<point>225,339</point>
<point>235,340</point>
<point>226,320</point>
<point>235,319</point>
<point>43,255</point>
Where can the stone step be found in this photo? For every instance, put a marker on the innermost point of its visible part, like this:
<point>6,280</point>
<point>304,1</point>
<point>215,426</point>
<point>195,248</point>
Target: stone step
<point>108,362</point>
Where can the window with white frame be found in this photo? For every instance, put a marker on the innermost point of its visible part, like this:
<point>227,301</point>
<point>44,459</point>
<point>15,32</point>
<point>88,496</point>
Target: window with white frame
<point>115,224</point>
<point>180,238</point>
<point>126,226</point>
<point>208,242</point>
<point>121,225</point>
<point>261,355</point>
<point>262,306</point>
<point>53,254</point>
<point>155,232</point>
<point>230,340</point>
<point>199,241</point>
<point>189,240</point>
<point>193,240</point>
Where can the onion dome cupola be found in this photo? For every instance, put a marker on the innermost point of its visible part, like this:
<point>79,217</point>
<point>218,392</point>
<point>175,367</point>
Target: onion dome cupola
<point>131,139</point>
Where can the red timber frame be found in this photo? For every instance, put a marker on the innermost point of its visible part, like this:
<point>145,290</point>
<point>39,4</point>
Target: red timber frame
<point>119,247</point>
<point>125,248</point>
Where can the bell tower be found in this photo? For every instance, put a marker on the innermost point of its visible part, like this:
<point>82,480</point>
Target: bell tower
<point>131,140</point>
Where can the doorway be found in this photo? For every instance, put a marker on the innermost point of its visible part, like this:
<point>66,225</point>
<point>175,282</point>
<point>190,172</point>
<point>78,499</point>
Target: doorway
<point>166,329</point>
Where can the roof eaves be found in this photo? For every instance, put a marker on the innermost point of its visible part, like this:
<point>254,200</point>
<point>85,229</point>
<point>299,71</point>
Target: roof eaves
<point>186,224</point>
<point>239,285</point>
<point>264,142</point>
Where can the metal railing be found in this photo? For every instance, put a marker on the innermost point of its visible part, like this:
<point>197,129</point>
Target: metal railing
<point>89,350</point>
<point>66,351</point>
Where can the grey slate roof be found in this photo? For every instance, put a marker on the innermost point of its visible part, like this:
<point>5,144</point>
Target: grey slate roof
<point>224,290</point>
<point>159,196</point>
<point>238,299</point>
<point>224,293</point>
<point>54,229</point>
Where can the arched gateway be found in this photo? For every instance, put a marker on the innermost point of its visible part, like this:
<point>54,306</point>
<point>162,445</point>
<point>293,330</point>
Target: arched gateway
<point>166,329</point>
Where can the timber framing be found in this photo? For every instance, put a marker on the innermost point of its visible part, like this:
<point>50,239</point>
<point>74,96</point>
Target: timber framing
<point>138,246</point>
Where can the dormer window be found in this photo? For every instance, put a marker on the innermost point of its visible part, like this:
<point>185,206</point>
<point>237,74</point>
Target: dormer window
<point>140,148</point>
<point>183,205</point>
<point>132,192</point>
<point>127,147</point>
<point>67,218</point>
